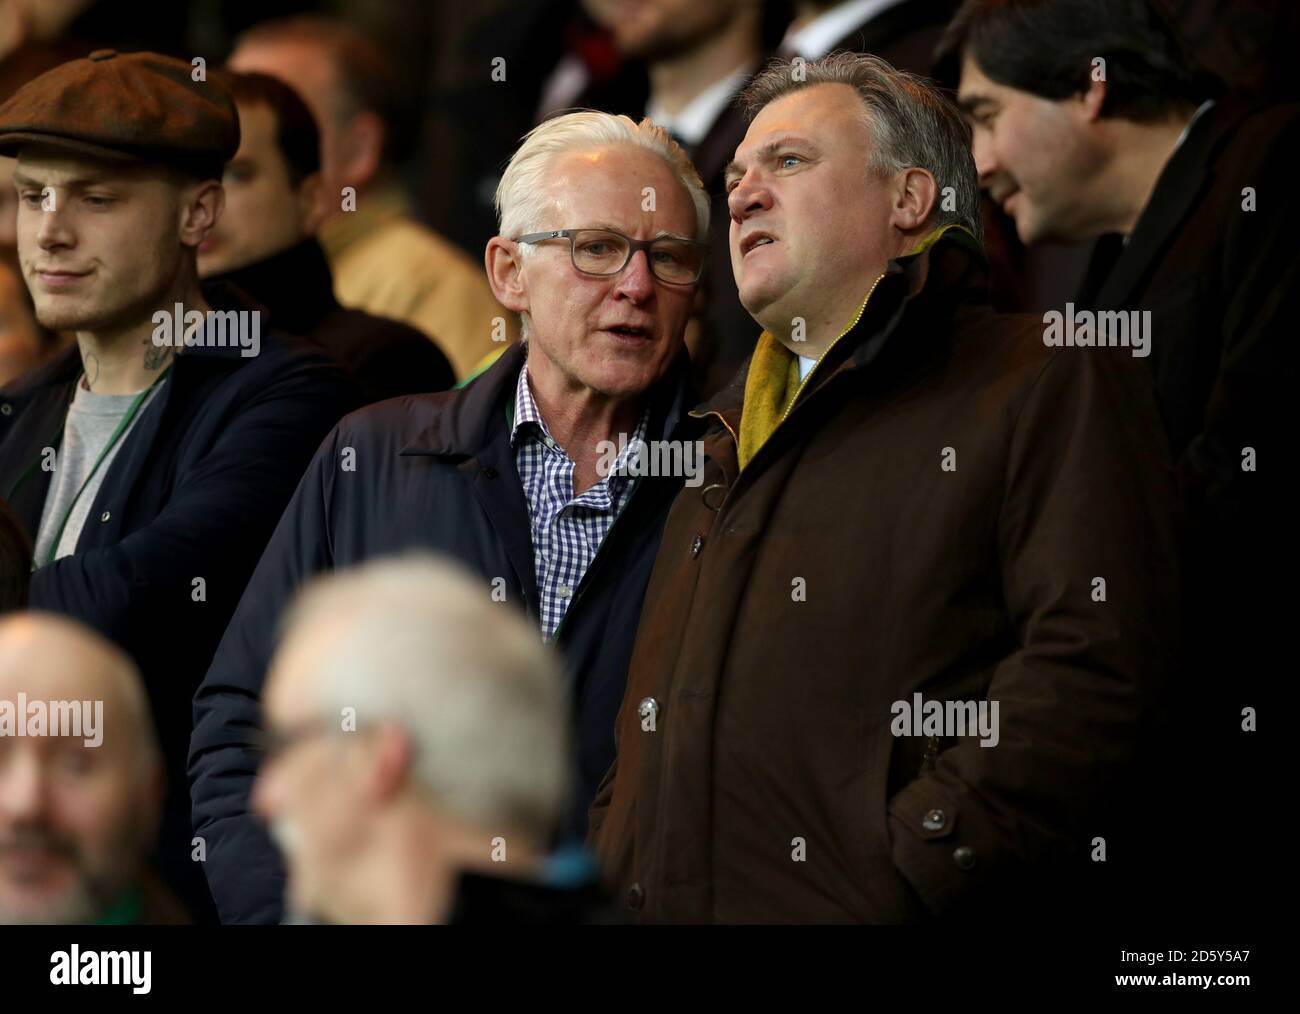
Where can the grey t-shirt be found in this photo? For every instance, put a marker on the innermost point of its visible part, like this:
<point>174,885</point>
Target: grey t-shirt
<point>91,420</point>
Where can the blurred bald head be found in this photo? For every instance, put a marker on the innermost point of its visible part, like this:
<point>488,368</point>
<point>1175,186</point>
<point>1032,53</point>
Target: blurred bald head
<point>79,806</point>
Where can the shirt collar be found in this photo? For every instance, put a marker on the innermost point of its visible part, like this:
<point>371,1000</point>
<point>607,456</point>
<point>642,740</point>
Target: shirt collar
<point>1200,110</point>
<point>814,40</point>
<point>1203,108</point>
<point>526,412</point>
<point>693,122</point>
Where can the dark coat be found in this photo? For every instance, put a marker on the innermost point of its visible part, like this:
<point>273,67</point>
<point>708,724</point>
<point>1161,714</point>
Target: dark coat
<point>1223,287</point>
<point>194,492</point>
<point>388,358</point>
<point>774,708</point>
<point>433,472</point>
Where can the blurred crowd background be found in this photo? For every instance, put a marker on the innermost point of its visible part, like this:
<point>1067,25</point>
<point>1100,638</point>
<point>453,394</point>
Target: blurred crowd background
<point>463,83</point>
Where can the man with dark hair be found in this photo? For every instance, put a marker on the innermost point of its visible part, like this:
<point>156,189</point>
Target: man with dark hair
<point>906,502</point>
<point>264,244</point>
<point>384,261</point>
<point>1089,123</point>
<point>151,460</point>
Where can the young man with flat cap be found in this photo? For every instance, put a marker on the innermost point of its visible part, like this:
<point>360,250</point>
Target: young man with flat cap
<point>150,462</point>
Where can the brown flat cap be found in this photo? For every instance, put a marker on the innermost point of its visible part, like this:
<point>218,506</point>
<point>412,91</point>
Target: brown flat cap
<point>141,106</point>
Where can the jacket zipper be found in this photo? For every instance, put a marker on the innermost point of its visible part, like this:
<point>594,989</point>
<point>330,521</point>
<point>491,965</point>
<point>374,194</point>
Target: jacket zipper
<point>825,352</point>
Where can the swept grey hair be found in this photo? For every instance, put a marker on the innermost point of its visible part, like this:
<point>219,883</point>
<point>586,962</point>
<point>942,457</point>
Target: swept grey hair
<point>416,640</point>
<point>521,195</point>
<point>911,123</point>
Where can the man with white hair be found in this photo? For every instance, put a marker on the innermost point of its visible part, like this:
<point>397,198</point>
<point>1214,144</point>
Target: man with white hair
<point>417,755</point>
<point>81,780</point>
<point>599,251</point>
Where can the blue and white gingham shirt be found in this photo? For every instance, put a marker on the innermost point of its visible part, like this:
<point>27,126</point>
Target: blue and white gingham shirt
<point>567,530</point>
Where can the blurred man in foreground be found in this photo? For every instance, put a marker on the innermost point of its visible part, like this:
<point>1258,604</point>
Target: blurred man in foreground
<point>417,755</point>
<point>79,807</point>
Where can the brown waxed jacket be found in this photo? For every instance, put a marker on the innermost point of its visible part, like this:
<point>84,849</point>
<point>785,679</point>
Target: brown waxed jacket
<point>845,569</point>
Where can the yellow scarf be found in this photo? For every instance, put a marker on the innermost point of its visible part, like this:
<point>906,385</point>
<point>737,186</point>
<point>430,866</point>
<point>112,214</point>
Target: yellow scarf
<point>773,381</point>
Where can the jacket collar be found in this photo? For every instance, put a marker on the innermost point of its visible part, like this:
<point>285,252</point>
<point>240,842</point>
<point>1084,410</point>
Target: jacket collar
<point>924,286</point>
<point>1180,183</point>
<point>295,285</point>
<point>42,398</point>
<point>474,416</point>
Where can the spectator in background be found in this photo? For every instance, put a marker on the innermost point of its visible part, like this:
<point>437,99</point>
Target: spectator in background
<point>15,560</point>
<point>384,261</point>
<point>507,474</point>
<point>438,802</point>
<point>264,244</point>
<point>78,813</point>
<point>1193,201</point>
<point>149,475</point>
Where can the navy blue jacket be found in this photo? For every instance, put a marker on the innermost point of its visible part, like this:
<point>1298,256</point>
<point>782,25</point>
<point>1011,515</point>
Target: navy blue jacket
<point>433,472</point>
<point>193,492</point>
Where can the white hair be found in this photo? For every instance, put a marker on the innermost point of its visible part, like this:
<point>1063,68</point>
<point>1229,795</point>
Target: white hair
<point>522,196</point>
<point>419,642</point>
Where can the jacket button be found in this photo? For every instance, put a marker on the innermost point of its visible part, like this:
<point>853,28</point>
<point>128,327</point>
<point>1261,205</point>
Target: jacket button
<point>635,897</point>
<point>697,544</point>
<point>6,409</point>
<point>105,516</point>
<point>964,857</point>
<point>934,820</point>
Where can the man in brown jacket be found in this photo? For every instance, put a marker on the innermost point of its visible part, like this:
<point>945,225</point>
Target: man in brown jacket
<point>899,647</point>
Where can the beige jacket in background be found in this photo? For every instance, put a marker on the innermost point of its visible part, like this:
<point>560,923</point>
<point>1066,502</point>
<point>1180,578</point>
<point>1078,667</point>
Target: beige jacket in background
<point>386,263</point>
